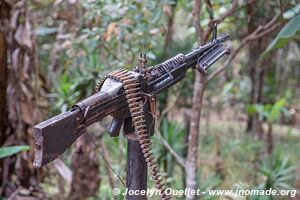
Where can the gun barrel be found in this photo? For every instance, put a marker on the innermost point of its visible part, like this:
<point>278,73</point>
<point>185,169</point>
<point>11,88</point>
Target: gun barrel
<point>174,69</point>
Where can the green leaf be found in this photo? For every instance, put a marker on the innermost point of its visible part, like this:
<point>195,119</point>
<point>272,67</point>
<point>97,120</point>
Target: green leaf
<point>286,34</point>
<point>276,110</point>
<point>251,109</point>
<point>262,110</point>
<point>156,16</point>
<point>286,171</point>
<point>292,12</point>
<point>283,185</point>
<point>8,151</point>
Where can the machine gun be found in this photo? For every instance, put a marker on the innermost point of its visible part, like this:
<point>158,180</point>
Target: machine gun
<point>128,96</point>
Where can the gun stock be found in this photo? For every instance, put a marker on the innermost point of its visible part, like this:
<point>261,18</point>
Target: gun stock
<point>55,135</point>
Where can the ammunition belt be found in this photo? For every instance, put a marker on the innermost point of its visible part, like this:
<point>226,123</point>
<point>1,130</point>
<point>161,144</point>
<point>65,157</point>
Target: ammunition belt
<point>135,102</point>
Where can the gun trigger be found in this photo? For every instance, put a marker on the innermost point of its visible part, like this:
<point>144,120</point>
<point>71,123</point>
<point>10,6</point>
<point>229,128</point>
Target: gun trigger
<point>115,126</point>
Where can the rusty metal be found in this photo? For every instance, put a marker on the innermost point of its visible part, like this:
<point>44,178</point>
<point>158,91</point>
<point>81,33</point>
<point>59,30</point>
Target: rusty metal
<point>130,97</point>
<point>136,170</point>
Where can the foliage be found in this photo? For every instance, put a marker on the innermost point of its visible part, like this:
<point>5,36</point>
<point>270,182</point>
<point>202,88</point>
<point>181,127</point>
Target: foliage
<point>240,148</point>
<point>124,29</point>
<point>289,32</point>
<point>269,111</point>
<point>292,12</point>
<point>68,94</point>
<point>116,34</point>
<point>11,150</point>
<point>277,174</point>
<point>236,90</point>
<point>208,183</point>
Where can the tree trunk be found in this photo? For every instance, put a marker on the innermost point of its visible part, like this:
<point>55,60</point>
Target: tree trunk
<point>187,120</point>
<point>4,16</point>
<point>256,68</point>
<point>193,140</point>
<point>3,83</point>
<point>219,164</point>
<point>23,111</point>
<point>254,52</point>
<point>170,29</point>
<point>207,124</point>
<point>270,139</point>
<point>85,167</point>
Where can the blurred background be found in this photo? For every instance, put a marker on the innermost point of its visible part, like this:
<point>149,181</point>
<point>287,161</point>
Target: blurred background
<point>53,52</point>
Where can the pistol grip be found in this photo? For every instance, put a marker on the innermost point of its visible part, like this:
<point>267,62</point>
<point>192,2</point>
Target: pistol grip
<point>115,126</point>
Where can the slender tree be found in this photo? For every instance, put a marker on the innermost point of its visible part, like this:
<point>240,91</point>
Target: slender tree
<point>198,91</point>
